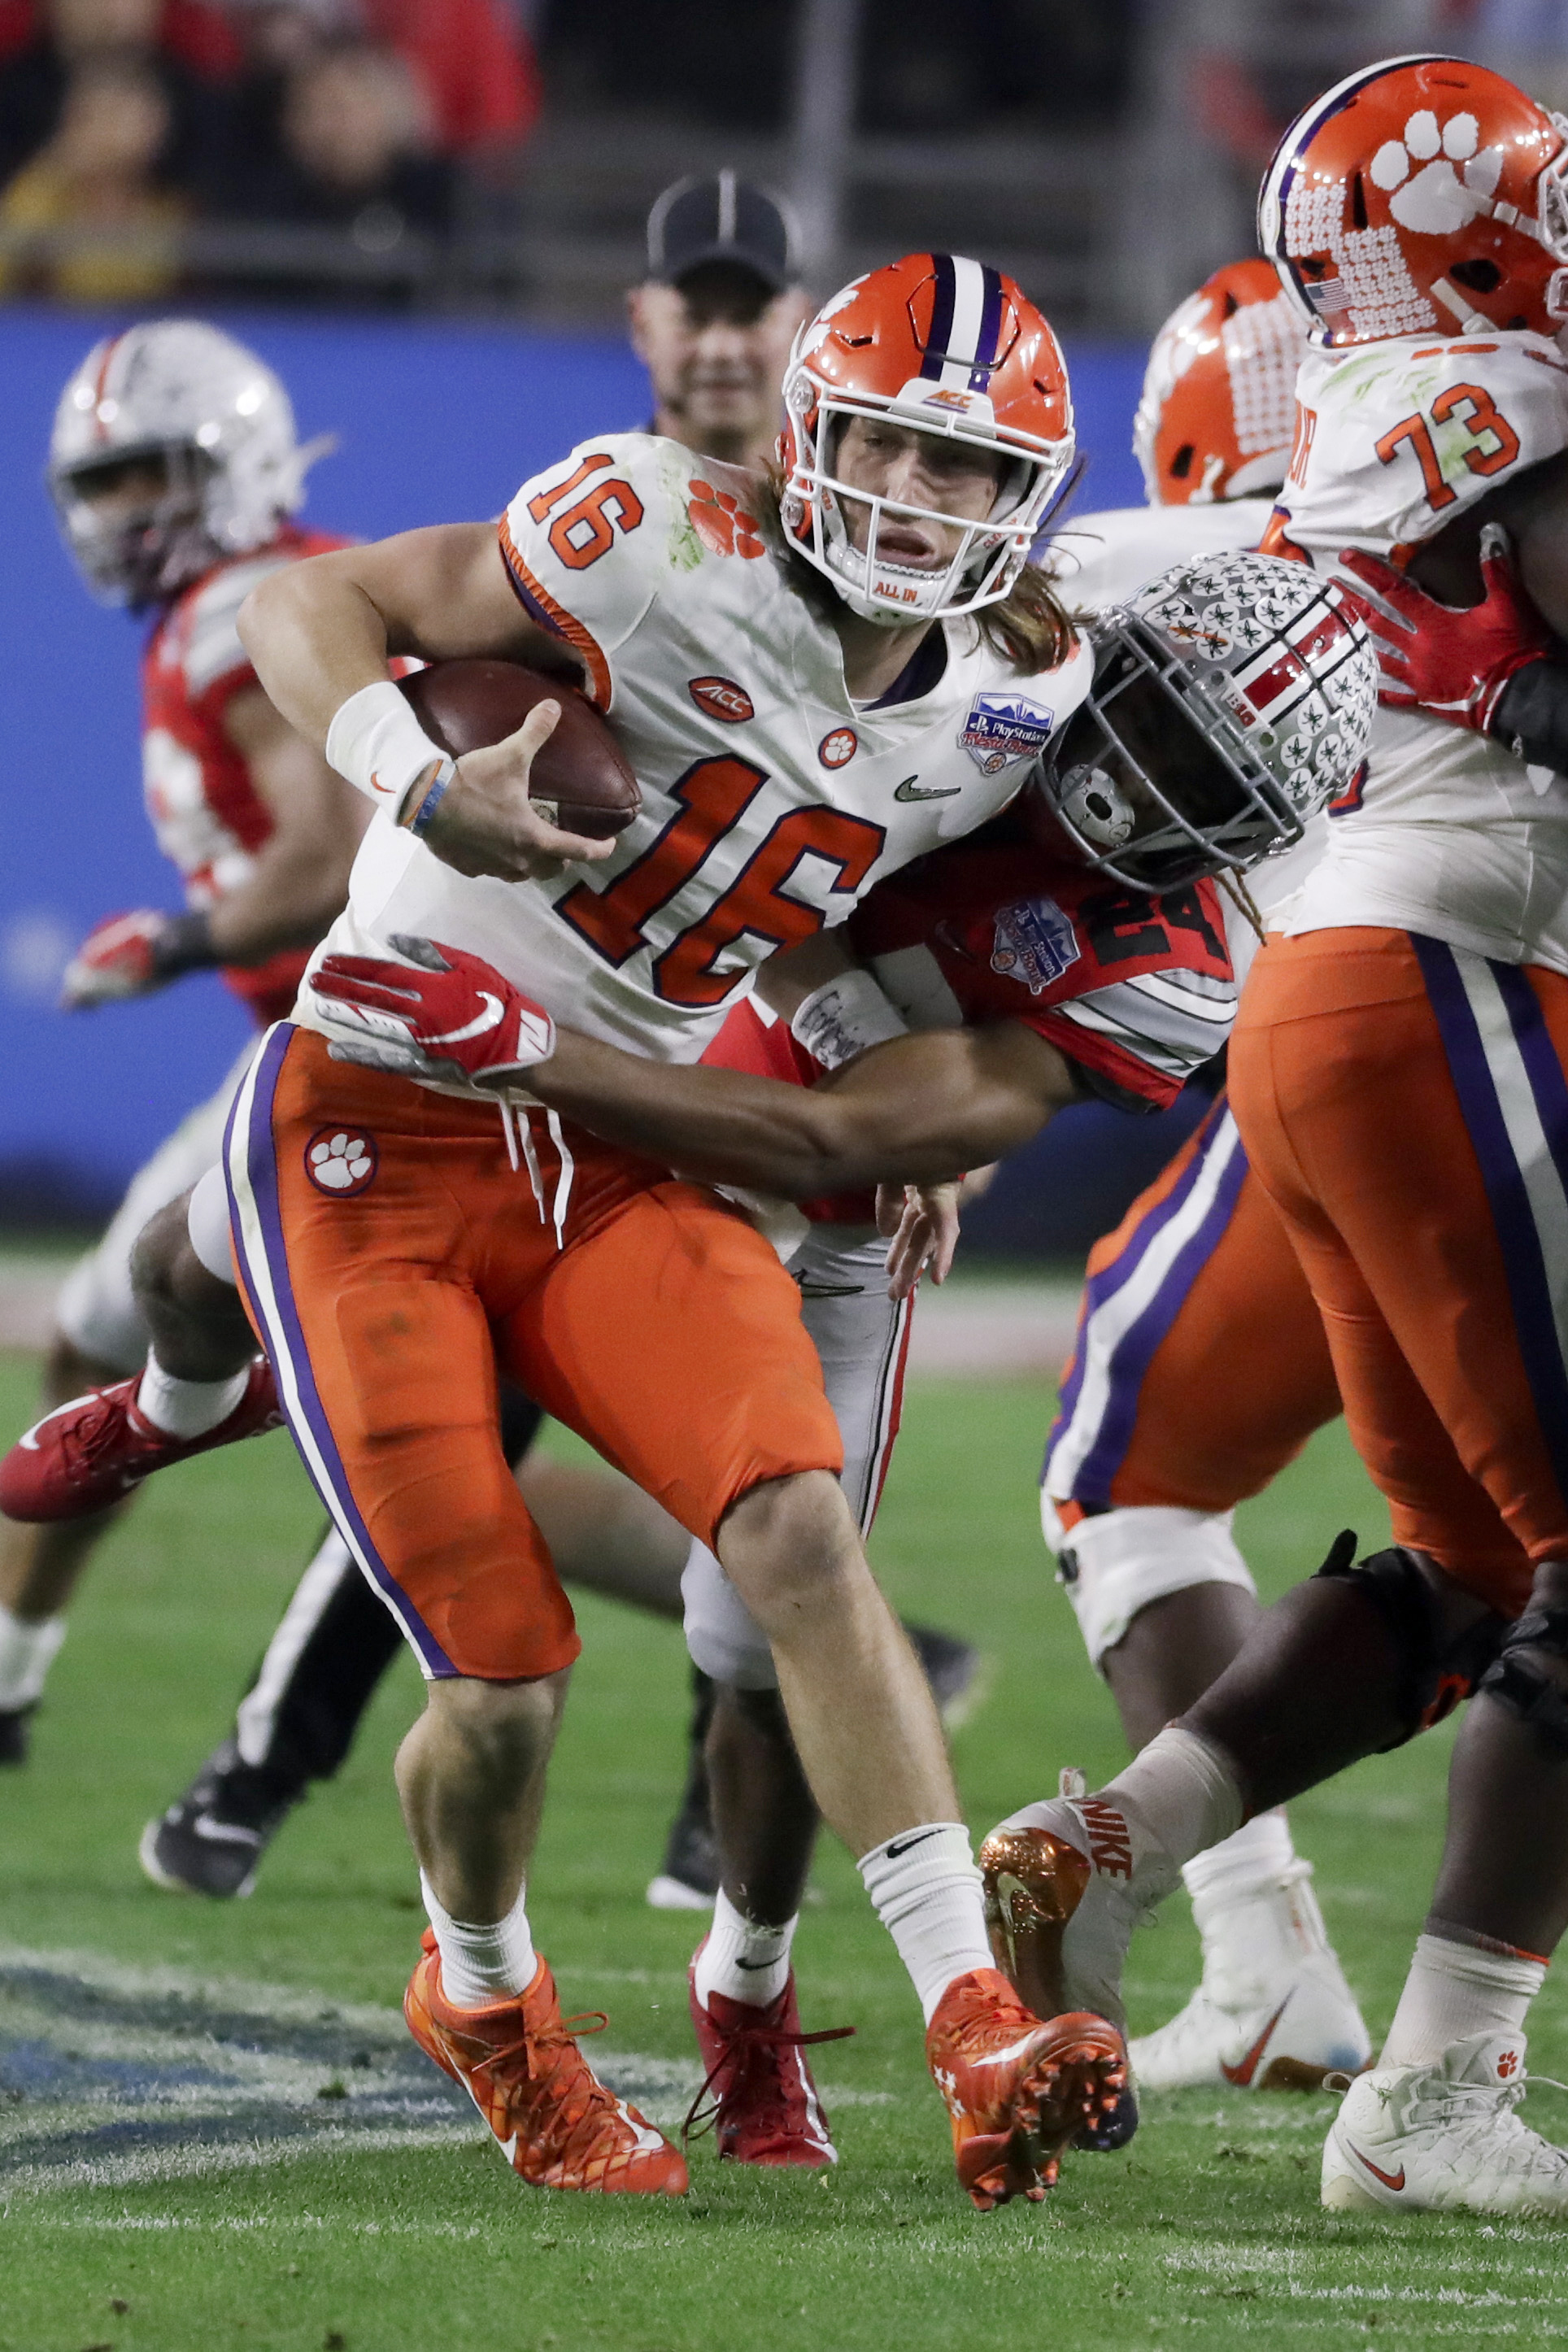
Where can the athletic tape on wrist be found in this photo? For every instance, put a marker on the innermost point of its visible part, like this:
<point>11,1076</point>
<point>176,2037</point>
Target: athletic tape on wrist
<point>844,1017</point>
<point>376,743</point>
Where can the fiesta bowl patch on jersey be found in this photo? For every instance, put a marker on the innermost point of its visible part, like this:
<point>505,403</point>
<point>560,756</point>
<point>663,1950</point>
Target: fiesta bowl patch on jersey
<point>1033,940</point>
<point>1001,727</point>
<point>340,1161</point>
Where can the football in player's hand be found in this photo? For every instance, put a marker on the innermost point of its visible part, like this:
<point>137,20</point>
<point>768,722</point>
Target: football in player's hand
<point>580,777</point>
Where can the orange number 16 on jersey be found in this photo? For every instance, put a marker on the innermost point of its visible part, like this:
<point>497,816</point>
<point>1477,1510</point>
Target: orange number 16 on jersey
<point>1494,444</point>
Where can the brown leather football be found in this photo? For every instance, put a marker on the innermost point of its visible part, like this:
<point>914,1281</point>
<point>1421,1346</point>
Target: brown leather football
<point>581,776</point>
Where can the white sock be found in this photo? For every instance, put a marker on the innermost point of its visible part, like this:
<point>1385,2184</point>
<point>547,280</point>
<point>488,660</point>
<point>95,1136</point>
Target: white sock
<point>26,1654</point>
<point>741,1959</point>
<point>1456,1989</point>
<point>926,1889</point>
<point>482,1965</point>
<point>186,1408</point>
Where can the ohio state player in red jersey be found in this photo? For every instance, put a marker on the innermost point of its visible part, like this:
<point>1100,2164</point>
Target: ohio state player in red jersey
<point>175,470</point>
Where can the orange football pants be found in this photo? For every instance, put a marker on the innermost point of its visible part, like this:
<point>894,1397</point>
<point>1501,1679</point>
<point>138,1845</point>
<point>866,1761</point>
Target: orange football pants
<point>1200,1368</point>
<point>1404,1103</point>
<point>391,1257</point>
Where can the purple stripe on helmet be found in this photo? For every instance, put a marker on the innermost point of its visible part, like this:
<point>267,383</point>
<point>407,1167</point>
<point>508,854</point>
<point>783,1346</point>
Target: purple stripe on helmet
<point>990,329</point>
<point>1103,1285</point>
<point>261,1169</point>
<point>1535,1327</point>
<point>941,315</point>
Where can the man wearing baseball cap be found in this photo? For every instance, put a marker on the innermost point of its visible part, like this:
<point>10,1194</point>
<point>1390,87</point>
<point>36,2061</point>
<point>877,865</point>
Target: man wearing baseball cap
<point>714,318</point>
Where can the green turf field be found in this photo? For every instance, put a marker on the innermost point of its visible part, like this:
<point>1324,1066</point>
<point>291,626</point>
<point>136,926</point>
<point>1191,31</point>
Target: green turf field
<point>384,2223</point>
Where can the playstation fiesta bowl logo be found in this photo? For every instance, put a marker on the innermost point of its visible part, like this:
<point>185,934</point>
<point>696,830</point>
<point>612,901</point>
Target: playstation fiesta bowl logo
<point>1002,728</point>
<point>1034,942</point>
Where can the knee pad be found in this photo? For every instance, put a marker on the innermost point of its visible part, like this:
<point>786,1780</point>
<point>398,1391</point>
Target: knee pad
<point>1519,1678</point>
<point>207,1221</point>
<point>1435,1671</point>
<point>1114,1563</point>
<point>722,1637</point>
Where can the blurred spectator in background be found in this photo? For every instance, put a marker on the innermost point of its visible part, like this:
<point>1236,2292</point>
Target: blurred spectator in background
<point>98,172</point>
<point>474,63</point>
<point>190,48</point>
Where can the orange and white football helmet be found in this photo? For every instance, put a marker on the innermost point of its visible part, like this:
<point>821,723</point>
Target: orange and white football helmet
<point>1218,408</point>
<point>950,348</point>
<point>1422,196</point>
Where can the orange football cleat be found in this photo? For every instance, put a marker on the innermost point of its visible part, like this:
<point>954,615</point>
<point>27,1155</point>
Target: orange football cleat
<point>1018,2091</point>
<point>557,2125</point>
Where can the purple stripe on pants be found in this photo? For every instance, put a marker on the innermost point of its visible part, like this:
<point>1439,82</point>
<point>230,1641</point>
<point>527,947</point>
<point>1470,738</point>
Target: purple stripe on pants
<point>287,1333</point>
<point>1535,1326</point>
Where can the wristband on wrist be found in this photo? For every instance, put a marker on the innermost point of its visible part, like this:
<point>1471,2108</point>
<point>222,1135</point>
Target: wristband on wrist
<point>424,796</point>
<point>845,1017</point>
<point>184,944</point>
<point>376,743</point>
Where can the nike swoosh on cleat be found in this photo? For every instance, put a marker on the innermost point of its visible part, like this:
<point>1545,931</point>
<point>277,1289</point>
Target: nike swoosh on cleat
<point>909,790</point>
<point>222,1832</point>
<point>756,1964</point>
<point>896,1846</point>
<point>1389,2179</point>
<point>1242,2075</point>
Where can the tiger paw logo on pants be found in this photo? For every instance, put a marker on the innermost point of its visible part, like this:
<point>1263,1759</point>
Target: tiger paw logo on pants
<point>340,1161</point>
<point>1436,200</point>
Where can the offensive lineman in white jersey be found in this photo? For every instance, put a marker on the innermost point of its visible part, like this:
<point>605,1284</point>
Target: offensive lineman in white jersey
<point>1398,1073</point>
<point>928,428</point>
<point>1160,1432</point>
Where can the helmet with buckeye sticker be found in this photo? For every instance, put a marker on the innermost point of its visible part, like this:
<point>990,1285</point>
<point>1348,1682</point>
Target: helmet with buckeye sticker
<point>942,346</point>
<point>1422,196</point>
<point>1233,697</point>
<point>1218,406</point>
<point>172,447</point>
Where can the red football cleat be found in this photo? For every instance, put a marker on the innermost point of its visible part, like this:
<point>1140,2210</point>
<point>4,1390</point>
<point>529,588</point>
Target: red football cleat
<point>95,1450</point>
<point>765,2108</point>
<point>1018,2091</point>
<point>557,2125</point>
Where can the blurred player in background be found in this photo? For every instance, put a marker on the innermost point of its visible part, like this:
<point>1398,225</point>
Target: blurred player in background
<point>176,474</point>
<point>1398,1073</point>
<point>1200,1365</point>
<point>713,321</point>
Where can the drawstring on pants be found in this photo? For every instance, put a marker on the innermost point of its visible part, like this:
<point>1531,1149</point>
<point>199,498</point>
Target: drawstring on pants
<point>518,1128</point>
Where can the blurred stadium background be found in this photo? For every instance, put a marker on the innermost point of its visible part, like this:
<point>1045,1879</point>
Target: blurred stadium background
<point>425,213</point>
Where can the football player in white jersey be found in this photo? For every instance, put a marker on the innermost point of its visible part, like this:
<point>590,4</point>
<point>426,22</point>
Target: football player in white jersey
<point>884,618</point>
<point>1164,1423</point>
<point>176,473</point>
<point>1399,1075</point>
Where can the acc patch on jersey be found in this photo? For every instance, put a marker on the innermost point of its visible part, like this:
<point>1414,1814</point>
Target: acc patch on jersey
<point>340,1161</point>
<point>1001,727</point>
<point>1033,940</point>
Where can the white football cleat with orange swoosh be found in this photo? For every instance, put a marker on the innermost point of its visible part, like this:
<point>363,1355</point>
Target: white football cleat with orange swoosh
<point>1445,2138</point>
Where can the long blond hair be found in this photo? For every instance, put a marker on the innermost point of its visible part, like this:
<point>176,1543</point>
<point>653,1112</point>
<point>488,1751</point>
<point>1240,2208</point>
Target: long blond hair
<point>1030,626</point>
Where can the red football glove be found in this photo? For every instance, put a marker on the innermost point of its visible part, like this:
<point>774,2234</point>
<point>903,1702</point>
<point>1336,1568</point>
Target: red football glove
<point>114,961</point>
<point>1454,663</point>
<point>442,1014</point>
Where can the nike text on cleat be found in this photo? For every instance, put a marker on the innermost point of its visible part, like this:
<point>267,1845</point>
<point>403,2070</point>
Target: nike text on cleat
<point>553,2120</point>
<point>97,1449</point>
<point>1445,2138</point>
<point>765,2105</point>
<point>1060,1909</point>
<point>1018,2091</point>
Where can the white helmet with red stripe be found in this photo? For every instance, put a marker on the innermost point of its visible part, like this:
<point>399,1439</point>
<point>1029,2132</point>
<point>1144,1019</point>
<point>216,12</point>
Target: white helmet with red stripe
<point>947,347</point>
<point>214,428</point>
<point>1233,697</point>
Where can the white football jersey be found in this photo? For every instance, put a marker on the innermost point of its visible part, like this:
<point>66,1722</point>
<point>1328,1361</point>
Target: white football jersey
<point>771,802</point>
<point>1450,834</point>
<point>1101,558</point>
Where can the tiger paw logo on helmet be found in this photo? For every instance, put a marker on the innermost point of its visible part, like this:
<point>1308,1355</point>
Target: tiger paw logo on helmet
<point>1425,195</point>
<point>1436,200</point>
<point>340,1161</point>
